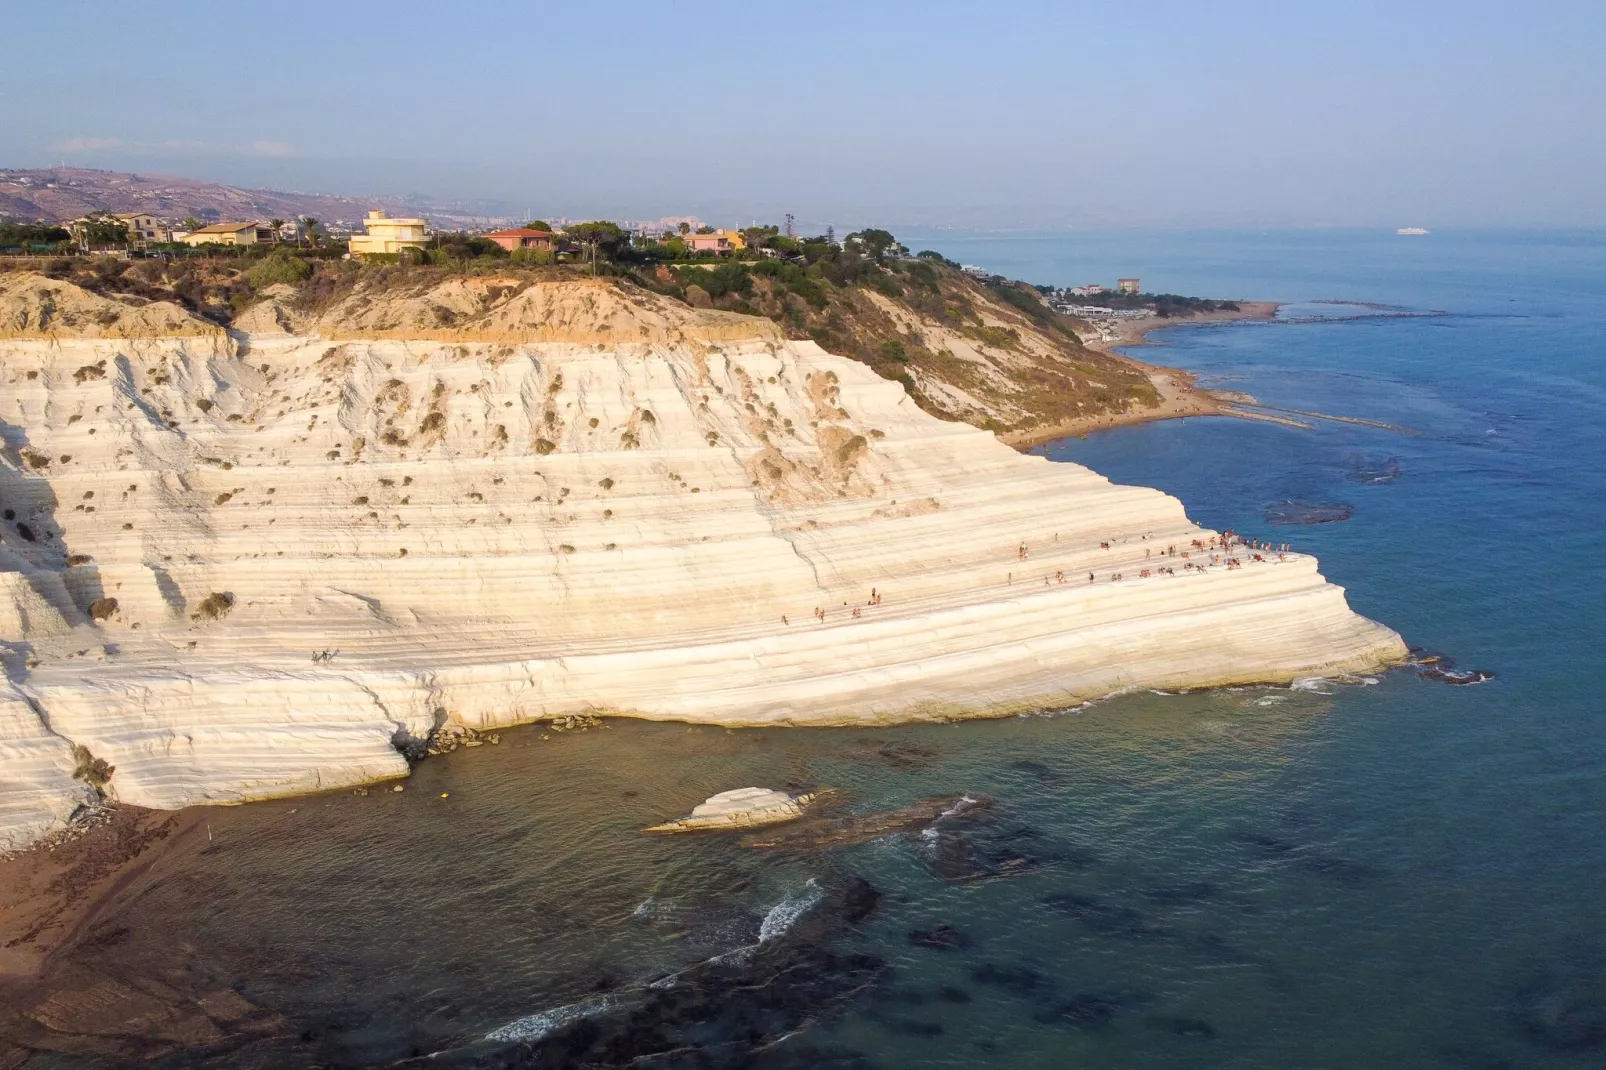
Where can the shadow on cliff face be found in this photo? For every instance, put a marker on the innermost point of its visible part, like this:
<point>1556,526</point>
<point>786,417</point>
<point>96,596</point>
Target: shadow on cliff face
<point>31,541</point>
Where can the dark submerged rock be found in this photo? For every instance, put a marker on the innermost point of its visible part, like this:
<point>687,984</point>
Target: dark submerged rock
<point>1441,668</point>
<point>818,829</point>
<point>1107,918</point>
<point>954,857</point>
<point>1343,869</point>
<point>1367,470</point>
<point>858,900</point>
<point>911,1027</point>
<point>1193,1027</point>
<point>1292,511</point>
<point>1565,1011</point>
<point>1036,770</point>
<point>942,937</point>
<point>1088,1011</point>
<point>1305,857</point>
<point>1266,843</point>
<point>725,1012</point>
<point>1019,980</point>
<point>1183,894</point>
<point>901,754</point>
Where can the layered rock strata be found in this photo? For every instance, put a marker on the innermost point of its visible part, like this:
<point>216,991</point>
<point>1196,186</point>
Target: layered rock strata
<point>739,808</point>
<point>249,566</point>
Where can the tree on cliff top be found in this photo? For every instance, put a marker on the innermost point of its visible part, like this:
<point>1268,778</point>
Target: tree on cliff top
<point>100,229</point>
<point>598,237</point>
<point>875,242</point>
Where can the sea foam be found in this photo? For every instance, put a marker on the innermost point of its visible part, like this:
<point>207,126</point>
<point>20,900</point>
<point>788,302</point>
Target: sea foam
<point>536,1026</point>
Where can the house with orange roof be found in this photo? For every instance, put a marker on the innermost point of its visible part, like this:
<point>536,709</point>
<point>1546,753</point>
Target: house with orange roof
<point>521,238</point>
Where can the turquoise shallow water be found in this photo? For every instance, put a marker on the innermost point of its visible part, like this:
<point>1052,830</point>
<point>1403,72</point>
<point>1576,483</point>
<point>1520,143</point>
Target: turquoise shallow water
<point>1384,872</point>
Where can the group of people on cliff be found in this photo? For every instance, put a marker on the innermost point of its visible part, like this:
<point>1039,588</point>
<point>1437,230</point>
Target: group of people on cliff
<point>1219,547</point>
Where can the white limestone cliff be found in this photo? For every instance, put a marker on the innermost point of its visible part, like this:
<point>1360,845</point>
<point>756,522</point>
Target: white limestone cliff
<point>637,513</point>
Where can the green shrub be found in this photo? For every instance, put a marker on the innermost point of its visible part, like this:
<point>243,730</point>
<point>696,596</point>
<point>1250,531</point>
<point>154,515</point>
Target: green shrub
<point>279,267</point>
<point>885,284</point>
<point>91,770</point>
<point>532,257</point>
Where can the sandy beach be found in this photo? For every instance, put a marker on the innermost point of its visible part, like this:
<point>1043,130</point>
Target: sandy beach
<point>1179,394</point>
<point>52,891</point>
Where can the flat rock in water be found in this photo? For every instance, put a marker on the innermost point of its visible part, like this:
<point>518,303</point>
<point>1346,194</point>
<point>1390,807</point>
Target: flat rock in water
<point>739,808</point>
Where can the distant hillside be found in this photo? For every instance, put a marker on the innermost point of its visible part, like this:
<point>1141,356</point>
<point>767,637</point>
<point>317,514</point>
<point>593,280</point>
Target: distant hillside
<point>60,193</point>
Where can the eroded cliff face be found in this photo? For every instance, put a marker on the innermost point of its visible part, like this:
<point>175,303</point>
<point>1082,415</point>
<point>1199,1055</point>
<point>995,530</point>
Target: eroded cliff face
<point>634,513</point>
<point>511,309</point>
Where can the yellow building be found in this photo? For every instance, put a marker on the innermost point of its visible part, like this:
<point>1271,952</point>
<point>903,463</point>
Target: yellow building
<point>144,227</point>
<point>387,235</point>
<point>230,234</point>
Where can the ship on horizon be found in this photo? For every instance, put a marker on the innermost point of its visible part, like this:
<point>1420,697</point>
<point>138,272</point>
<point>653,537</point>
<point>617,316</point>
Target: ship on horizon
<point>1413,230</point>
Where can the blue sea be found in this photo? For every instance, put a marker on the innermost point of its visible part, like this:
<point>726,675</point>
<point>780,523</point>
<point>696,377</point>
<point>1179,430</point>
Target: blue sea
<point>1381,872</point>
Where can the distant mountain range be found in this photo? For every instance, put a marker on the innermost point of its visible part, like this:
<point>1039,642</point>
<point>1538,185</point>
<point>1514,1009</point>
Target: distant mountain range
<point>59,193</point>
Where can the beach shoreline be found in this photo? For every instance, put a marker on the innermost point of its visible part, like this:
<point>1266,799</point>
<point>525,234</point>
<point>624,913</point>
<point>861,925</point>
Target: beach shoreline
<point>1181,397</point>
<point>52,891</point>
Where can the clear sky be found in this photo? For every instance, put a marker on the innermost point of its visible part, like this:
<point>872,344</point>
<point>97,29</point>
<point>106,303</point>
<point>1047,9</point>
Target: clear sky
<point>977,114</point>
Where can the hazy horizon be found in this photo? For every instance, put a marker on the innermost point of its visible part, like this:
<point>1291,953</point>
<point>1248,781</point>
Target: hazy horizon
<point>1433,114</point>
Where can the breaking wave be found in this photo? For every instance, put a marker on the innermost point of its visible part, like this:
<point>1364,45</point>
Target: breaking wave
<point>783,915</point>
<point>536,1026</point>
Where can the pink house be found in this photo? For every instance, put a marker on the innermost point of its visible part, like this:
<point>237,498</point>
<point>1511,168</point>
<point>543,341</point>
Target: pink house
<point>717,242</point>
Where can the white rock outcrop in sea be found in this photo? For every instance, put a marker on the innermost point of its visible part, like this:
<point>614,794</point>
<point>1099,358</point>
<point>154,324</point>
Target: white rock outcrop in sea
<point>739,808</point>
<point>638,513</point>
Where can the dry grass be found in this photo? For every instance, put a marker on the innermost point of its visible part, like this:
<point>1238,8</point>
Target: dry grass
<point>214,606</point>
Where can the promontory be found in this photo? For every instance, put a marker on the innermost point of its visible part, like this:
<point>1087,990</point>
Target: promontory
<point>263,559</point>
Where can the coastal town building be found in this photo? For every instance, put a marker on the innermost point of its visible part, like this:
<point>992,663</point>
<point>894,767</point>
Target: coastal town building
<point>388,236</point>
<point>1089,290</point>
<point>1128,286</point>
<point>251,233</point>
<point>722,242</point>
<point>144,227</point>
<point>521,238</point>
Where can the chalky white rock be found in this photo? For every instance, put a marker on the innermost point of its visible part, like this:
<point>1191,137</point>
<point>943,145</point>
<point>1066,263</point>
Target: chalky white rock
<point>603,503</point>
<point>739,808</point>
